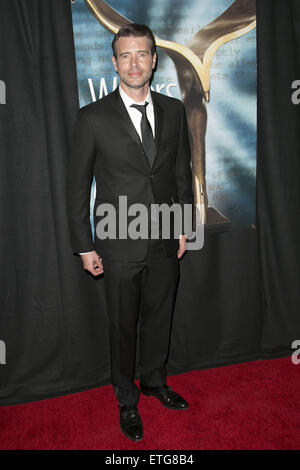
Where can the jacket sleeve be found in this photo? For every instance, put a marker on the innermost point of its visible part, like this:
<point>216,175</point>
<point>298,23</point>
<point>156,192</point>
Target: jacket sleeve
<point>183,163</point>
<point>183,169</point>
<point>78,185</point>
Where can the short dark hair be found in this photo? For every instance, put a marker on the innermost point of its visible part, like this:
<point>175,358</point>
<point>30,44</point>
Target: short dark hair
<point>136,30</point>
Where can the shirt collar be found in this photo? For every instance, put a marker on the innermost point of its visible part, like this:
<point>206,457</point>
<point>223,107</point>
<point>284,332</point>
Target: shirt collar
<point>129,101</point>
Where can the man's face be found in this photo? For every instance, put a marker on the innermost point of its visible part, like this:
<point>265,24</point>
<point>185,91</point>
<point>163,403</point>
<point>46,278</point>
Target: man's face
<point>134,62</point>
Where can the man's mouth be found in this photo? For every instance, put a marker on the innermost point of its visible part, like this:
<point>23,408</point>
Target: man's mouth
<point>134,74</point>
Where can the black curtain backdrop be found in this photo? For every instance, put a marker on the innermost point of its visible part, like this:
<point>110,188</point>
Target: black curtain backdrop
<point>53,324</point>
<point>237,298</point>
<point>278,173</point>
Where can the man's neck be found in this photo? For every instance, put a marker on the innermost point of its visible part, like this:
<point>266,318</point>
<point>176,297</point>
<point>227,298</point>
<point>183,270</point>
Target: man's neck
<point>136,94</point>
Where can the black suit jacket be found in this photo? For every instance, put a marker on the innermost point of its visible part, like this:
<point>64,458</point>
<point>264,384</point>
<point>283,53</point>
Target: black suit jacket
<point>106,144</point>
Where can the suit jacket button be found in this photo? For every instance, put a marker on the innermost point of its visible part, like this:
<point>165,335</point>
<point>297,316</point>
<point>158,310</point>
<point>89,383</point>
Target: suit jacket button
<point>151,176</point>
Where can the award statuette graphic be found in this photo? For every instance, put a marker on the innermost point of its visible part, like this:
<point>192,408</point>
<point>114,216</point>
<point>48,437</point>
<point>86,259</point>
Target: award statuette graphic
<point>192,63</point>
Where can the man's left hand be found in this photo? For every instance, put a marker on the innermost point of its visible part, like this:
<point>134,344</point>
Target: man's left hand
<point>182,246</point>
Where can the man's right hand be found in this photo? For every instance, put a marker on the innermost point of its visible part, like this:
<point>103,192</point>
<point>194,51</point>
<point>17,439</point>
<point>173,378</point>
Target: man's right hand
<point>92,263</point>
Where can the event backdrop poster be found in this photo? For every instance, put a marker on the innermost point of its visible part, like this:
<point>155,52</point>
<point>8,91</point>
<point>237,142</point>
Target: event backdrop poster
<point>230,139</point>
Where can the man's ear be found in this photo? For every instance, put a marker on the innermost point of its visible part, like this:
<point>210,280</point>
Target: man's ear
<point>154,58</point>
<point>113,59</point>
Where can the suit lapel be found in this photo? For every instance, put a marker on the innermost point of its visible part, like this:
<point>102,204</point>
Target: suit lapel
<point>158,116</point>
<point>159,120</point>
<point>125,118</point>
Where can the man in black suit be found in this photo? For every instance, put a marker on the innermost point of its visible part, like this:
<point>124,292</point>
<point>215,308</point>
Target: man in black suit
<point>135,142</point>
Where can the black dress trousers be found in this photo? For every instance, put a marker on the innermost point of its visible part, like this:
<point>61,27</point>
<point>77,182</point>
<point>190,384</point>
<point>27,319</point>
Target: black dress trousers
<point>147,287</point>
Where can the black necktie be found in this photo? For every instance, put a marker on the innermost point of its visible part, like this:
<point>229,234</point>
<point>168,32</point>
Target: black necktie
<point>146,131</point>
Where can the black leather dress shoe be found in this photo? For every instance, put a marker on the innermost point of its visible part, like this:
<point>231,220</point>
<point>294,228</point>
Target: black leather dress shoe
<point>130,422</point>
<point>166,396</point>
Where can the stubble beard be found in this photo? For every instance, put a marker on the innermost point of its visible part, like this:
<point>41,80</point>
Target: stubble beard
<point>136,86</point>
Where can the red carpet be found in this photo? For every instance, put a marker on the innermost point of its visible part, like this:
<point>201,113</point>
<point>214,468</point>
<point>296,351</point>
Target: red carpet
<point>254,405</point>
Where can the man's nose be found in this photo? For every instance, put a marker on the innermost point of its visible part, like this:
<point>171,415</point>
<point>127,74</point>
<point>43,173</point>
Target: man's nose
<point>133,60</point>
